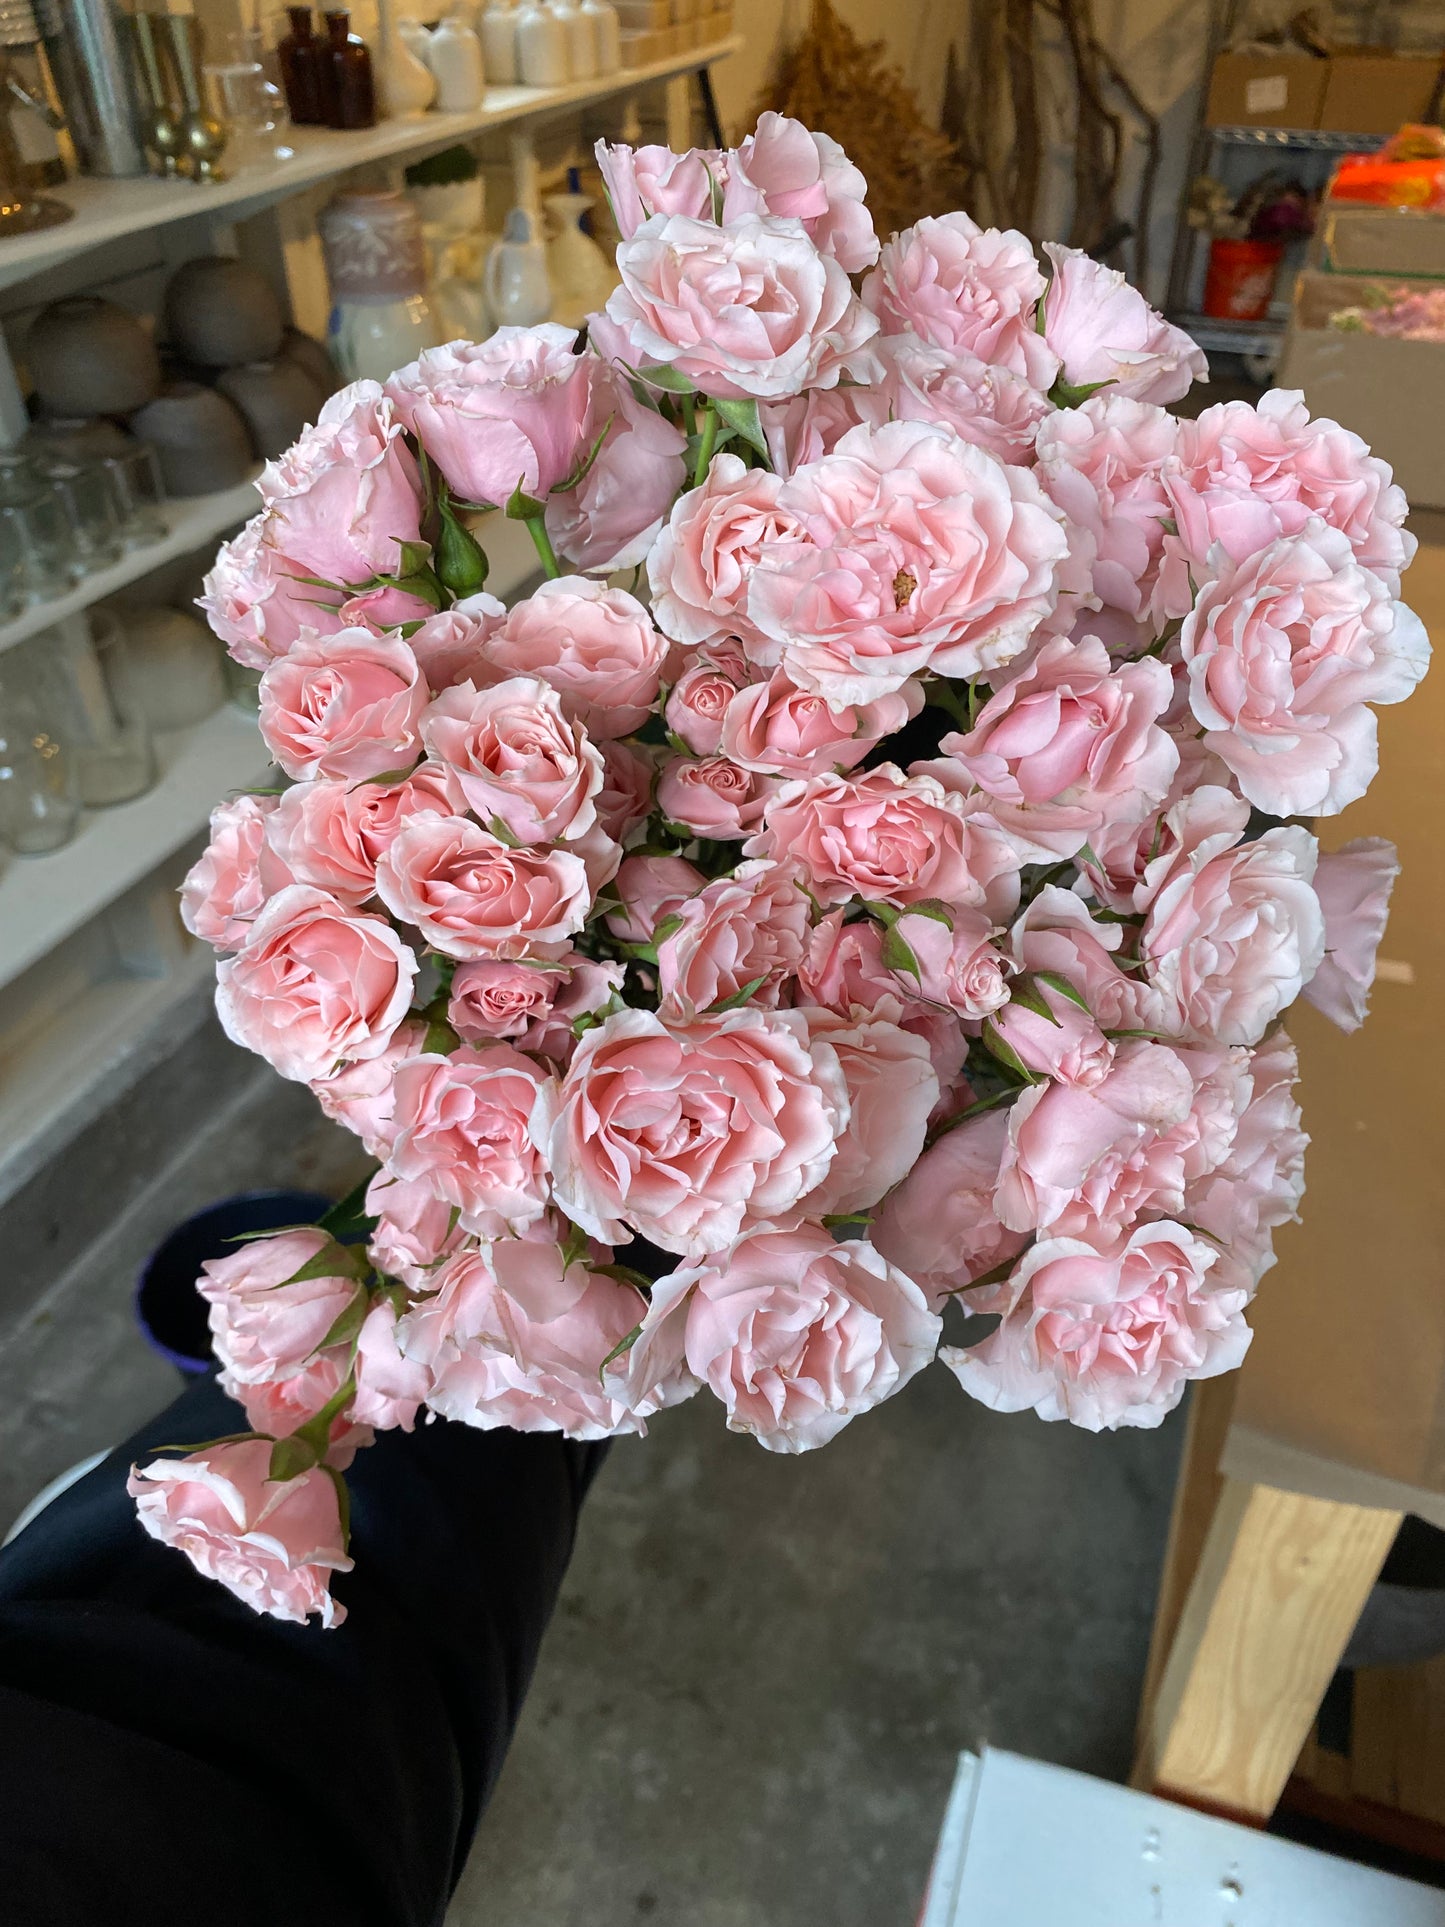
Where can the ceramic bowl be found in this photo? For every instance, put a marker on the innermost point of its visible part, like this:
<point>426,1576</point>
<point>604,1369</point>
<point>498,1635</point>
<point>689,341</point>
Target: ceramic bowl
<point>88,356</point>
<point>308,353</point>
<point>277,398</point>
<point>201,439</point>
<point>220,312</point>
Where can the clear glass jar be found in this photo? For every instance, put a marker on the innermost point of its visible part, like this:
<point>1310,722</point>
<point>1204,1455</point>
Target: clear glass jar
<point>39,800</point>
<point>81,673</point>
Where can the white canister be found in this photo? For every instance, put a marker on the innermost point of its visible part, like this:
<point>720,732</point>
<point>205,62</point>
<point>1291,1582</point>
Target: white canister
<point>606,34</point>
<point>376,263</point>
<point>455,57</point>
<point>541,46</point>
<point>499,43</point>
<point>581,42</point>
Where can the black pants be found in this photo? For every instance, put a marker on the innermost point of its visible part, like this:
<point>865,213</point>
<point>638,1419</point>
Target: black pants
<point>167,1756</point>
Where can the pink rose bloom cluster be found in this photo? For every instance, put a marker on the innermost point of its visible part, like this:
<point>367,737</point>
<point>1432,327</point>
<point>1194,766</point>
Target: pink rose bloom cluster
<point>861,884</point>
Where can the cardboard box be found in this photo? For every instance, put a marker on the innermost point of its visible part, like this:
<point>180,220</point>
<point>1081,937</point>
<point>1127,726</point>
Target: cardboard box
<point>1266,90</point>
<point>1382,240</point>
<point>1376,93</point>
<point>1390,391</point>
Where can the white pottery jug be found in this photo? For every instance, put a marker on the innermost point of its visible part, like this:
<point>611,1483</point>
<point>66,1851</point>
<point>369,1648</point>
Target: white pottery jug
<point>518,291</point>
<point>455,57</point>
<point>405,85</point>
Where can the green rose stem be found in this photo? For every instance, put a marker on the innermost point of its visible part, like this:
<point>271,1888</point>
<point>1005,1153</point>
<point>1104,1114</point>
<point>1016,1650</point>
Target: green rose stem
<point>543,544</point>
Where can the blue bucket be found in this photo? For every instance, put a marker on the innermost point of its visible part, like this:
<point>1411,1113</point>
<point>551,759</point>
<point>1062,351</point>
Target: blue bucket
<point>169,1310</point>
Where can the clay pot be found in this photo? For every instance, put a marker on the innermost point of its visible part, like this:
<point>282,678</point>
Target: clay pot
<point>175,671</point>
<point>277,398</point>
<point>200,437</point>
<point>91,357</point>
<point>308,353</point>
<point>220,312</point>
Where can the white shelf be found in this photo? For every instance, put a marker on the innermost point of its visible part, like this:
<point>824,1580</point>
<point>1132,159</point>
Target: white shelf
<point>106,210</point>
<point>44,898</point>
<point>189,524</point>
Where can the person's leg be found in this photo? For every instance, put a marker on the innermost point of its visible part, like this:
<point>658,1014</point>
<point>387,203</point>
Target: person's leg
<point>168,1756</point>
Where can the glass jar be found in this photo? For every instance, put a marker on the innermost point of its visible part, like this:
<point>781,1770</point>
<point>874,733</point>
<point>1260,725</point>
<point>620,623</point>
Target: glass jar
<point>350,91</point>
<point>39,801</point>
<point>81,675</point>
<point>137,494</point>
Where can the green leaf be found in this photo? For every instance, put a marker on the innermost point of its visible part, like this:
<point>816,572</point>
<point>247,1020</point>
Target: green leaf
<point>743,419</point>
<point>343,1503</point>
<point>666,378</point>
<point>348,1217</point>
<point>995,1275</point>
<point>1022,992</point>
<point>933,907</point>
<point>622,1345</point>
<point>738,998</point>
<point>440,1040</point>
<point>1006,1054</point>
<point>290,1458</point>
<point>883,913</point>
<point>1064,394</point>
<point>1005,1096</point>
<point>897,954</point>
<point>1064,988</point>
<point>522,507</point>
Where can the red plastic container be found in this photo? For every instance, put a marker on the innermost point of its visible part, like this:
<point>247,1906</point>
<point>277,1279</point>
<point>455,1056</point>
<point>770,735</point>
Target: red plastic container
<point>1240,282</point>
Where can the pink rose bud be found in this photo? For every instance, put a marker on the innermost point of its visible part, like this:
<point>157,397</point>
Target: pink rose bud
<point>784,168</point>
<point>698,700</point>
<point>993,407</point>
<point>650,888</point>
<point>1353,885</point>
<point>345,705</point>
<point>472,896</point>
<point>701,564</point>
<point>460,1125</point>
<point>415,1229</point>
<point>892,1090</point>
<point>499,414</point>
<point>519,762</point>
<point>596,646</point>
<point>257,601</point>
<point>781,730</point>
<point>939,1224</point>
<point>263,1325</point>
<point>712,796</point>
<point>1102,330</point>
<point>958,964</point>
<point>609,521</point>
<point>272,1543</point>
<point>451,645</point>
<point>745,932</point>
<point>225,889</point>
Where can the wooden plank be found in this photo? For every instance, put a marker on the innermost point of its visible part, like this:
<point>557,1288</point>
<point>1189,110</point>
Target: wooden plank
<point>1196,1493</point>
<point>1397,1752</point>
<point>1277,1590</point>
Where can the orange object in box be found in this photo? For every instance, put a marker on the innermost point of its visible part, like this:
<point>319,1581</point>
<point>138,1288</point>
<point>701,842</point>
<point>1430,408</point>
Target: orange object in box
<point>1240,280</point>
<point>1380,183</point>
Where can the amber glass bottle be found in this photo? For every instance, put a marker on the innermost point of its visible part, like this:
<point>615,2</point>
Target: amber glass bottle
<point>302,57</point>
<point>351,94</point>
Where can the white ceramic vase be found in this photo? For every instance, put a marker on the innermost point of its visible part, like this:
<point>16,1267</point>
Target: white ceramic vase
<point>455,58</point>
<point>405,85</point>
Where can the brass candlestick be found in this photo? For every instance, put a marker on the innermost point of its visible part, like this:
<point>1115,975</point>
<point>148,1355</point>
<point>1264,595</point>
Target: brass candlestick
<point>203,137</point>
<point>161,117</point>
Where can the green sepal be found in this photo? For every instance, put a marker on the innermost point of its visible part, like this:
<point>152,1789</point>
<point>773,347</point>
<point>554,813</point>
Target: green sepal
<point>503,835</point>
<point>743,419</point>
<point>1064,988</point>
<point>413,558</point>
<point>349,1321</point>
<point>348,1217</point>
<point>933,907</point>
<point>897,954</point>
<point>522,507</point>
<point>290,1458</point>
<point>461,560</point>
<point>624,1344</point>
<point>580,472</point>
<point>670,380</point>
<point>332,1261</point>
<point>1025,994</point>
<point>1064,394</point>
<point>1005,1053</point>
<point>664,928</point>
<point>576,1246</point>
<point>738,998</point>
<point>714,194</point>
<point>440,1040</point>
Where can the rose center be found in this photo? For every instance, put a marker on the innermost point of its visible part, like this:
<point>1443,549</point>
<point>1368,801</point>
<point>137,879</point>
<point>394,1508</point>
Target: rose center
<point>904,583</point>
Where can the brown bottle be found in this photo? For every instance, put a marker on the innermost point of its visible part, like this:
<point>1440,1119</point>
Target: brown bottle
<point>350,94</point>
<point>301,56</point>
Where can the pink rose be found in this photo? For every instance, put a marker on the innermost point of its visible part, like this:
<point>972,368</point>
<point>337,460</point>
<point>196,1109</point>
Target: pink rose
<point>643,181</point>
<point>624,801</point>
<point>1103,330</point>
<point>1058,933</point>
<point>968,289</point>
<point>1095,1157</point>
<point>1243,476</point>
<point>688,1137</point>
<point>712,796</point>
<point>516,1337</point>
<point>390,1388</point>
<point>452,645</point>
<point>415,1229</point>
<point>1233,931</point>
<point>993,407</point>
<point>795,1333</point>
<point>611,518</point>
<point>914,550</point>
<point>271,1543</point>
<point>749,310</point>
<point>266,1322</point>
<point>361,1095</point>
<point>529,1003</point>
<point>280,1406</point>
<point>698,700</point>
<point>460,1125</point>
<point>345,705</point>
<point>1069,745</point>
<point>1353,885</point>
<point>345,496</point>
<point>472,896</point>
<point>650,888</point>
<point>1284,651</point>
<point>524,768</point>
<point>1108,1338</point>
<point>958,964</point>
<point>224,891</point>
<point>1103,464</point>
<point>317,833</point>
<point>1258,1185</point>
<point>596,646</point>
<point>742,933</point>
<point>842,968</point>
<point>700,566</point>
<point>1114,861</point>
<point>939,1224</point>
<point>784,168</point>
<point>314,984</point>
<point>589,989</point>
<point>892,1090</point>
<point>1067,1044</point>
<point>809,426</point>
<point>256,600</point>
<point>888,838</point>
<point>781,730</point>
<point>499,414</point>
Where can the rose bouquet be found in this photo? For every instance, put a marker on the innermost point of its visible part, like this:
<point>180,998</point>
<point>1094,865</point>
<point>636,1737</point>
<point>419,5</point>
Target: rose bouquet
<point>866,874</point>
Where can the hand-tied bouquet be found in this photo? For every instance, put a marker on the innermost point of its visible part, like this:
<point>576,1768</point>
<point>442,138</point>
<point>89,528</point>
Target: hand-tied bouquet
<point>898,905</point>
